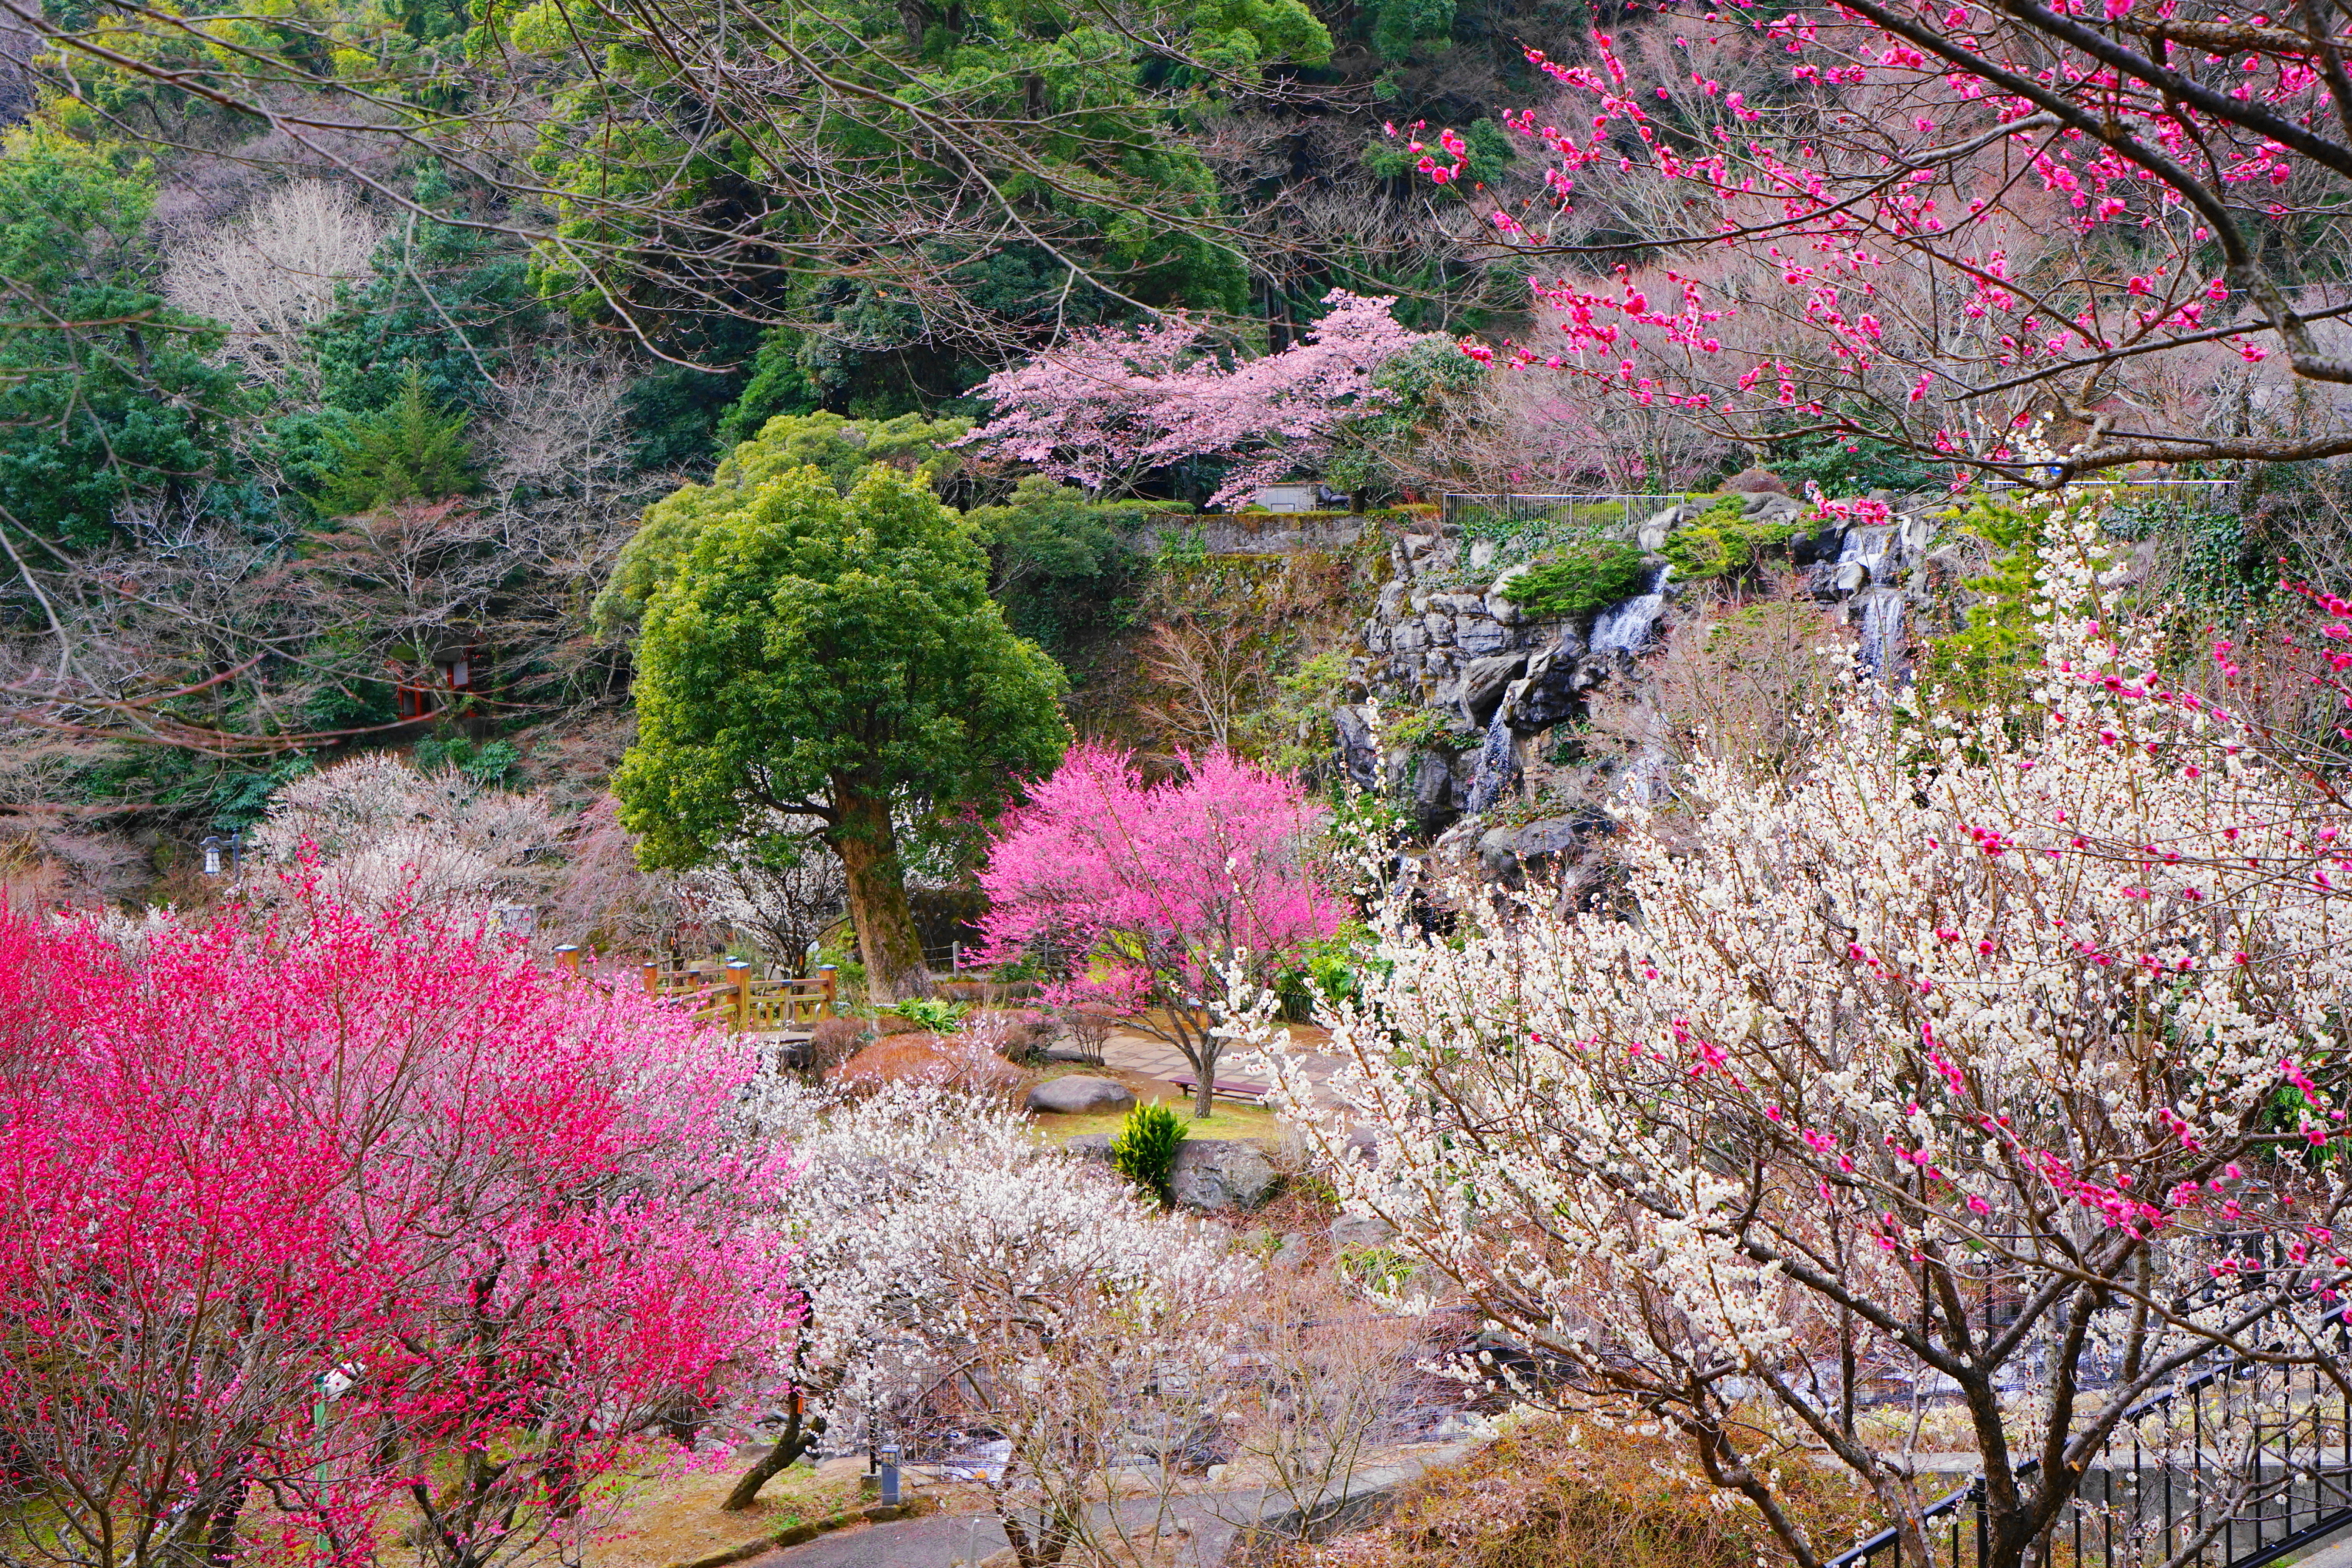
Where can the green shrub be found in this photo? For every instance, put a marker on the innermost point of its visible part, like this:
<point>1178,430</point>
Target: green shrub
<point>1722,544</point>
<point>1144,1148</point>
<point>930,1013</point>
<point>1579,580</point>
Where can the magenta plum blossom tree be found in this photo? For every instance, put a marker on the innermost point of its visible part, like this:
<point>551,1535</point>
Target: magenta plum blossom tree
<point>1155,899</point>
<point>1111,405</point>
<point>351,1228</point>
<point>1997,1061</point>
<point>1934,224</point>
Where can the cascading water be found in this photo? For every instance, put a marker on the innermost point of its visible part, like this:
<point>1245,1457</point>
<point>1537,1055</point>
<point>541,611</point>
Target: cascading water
<point>1628,627</point>
<point>1878,615</point>
<point>1499,762</point>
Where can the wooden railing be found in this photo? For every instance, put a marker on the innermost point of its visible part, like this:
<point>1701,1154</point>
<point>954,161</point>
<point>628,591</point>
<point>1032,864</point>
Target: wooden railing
<point>736,997</point>
<point>732,995</point>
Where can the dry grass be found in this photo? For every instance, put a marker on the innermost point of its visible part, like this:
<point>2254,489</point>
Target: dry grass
<point>1549,1494</point>
<point>675,1519</point>
<point>1230,1120</point>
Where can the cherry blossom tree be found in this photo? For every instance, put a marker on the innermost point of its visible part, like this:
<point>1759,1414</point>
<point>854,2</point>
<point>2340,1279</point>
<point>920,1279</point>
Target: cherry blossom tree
<point>1152,898</point>
<point>1932,223</point>
<point>312,1225</point>
<point>1111,405</point>
<point>1997,1054</point>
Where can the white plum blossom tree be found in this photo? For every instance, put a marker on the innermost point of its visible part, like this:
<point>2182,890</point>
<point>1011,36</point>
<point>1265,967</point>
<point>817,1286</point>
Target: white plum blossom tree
<point>957,1272</point>
<point>1995,1058</point>
<point>380,830</point>
<point>274,270</point>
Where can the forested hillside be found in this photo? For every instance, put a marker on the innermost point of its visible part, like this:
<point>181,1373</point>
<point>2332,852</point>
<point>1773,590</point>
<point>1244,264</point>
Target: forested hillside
<point>353,344</point>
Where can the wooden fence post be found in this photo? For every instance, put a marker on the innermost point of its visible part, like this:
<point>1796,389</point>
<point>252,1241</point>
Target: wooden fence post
<point>831,974</point>
<point>568,957</point>
<point>652,972</point>
<point>740,974</point>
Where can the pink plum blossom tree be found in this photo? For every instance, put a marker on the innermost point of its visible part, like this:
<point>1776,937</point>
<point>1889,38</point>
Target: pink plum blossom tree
<point>350,1218</point>
<point>1997,1059</point>
<point>1934,224</point>
<point>1156,898</point>
<point>1111,405</point>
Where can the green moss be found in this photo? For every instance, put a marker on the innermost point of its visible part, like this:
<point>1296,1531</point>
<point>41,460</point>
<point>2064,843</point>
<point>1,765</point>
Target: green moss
<point>1579,580</point>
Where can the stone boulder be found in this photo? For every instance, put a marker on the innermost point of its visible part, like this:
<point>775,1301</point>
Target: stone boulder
<point>1479,635</point>
<point>1214,1173</point>
<point>1653,534</point>
<point>1812,549</point>
<point>1362,758</point>
<point>1483,681</point>
<point>1358,1232</point>
<point>1498,596</point>
<point>1763,506</point>
<point>1079,1095</point>
<point>1094,1146</point>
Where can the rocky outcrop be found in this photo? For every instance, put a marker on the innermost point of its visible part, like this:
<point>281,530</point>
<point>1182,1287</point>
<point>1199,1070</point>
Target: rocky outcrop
<point>1214,1173</point>
<point>1445,639</point>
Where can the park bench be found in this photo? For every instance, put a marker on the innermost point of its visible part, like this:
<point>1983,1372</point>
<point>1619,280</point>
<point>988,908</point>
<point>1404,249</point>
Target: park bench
<point>1226,1089</point>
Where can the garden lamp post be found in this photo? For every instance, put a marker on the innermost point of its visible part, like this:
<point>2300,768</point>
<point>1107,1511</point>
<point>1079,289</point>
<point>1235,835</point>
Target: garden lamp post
<point>223,853</point>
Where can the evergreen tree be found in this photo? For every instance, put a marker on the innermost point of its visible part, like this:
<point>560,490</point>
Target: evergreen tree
<point>409,451</point>
<point>835,656</point>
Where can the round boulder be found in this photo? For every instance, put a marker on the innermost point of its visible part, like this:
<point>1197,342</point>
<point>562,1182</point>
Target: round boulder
<point>1079,1095</point>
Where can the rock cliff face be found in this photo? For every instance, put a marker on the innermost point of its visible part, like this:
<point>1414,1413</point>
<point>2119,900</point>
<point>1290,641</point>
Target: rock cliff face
<point>1445,639</point>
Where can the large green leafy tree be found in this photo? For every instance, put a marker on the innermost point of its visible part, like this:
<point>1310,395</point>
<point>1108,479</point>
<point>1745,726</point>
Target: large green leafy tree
<point>835,656</point>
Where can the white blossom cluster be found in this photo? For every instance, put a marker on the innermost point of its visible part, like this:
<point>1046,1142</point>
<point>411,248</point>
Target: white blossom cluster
<point>961,1277</point>
<point>383,831</point>
<point>1985,1065</point>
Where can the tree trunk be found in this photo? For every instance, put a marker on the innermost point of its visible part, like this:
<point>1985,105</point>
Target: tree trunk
<point>1201,1048</point>
<point>886,939</point>
<point>796,1441</point>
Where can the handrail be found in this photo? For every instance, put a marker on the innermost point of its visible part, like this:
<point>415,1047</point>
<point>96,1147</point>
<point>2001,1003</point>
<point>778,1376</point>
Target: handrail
<point>2227,1365</point>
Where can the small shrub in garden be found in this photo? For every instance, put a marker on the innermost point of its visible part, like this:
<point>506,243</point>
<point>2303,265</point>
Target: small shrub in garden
<point>832,1041</point>
<point>930,1013</point>
<point>1579,580</point>
<point>1143,1150</point>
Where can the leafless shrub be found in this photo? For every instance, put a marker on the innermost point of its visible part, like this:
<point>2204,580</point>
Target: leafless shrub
<point>1090,1029</point>
<point>1743,681</point>
<point>1328,1382</point>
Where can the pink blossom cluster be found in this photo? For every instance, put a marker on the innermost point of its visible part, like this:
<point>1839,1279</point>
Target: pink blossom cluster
<point>1111,405</point>
<point>1145,895</point>
<point>1909,151</point>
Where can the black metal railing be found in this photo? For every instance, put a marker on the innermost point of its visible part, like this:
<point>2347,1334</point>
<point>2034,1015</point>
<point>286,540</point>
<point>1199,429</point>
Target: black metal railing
<point>2240,1465</point>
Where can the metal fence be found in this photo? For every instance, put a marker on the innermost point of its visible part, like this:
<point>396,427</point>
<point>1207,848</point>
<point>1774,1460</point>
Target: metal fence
<point>2242,1465</point>
<point>1599,508</point>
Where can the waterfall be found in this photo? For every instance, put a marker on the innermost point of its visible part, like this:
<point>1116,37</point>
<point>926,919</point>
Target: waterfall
<point>1497,764</point>
<point>1880,636</point>
<point>1628,627</point>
